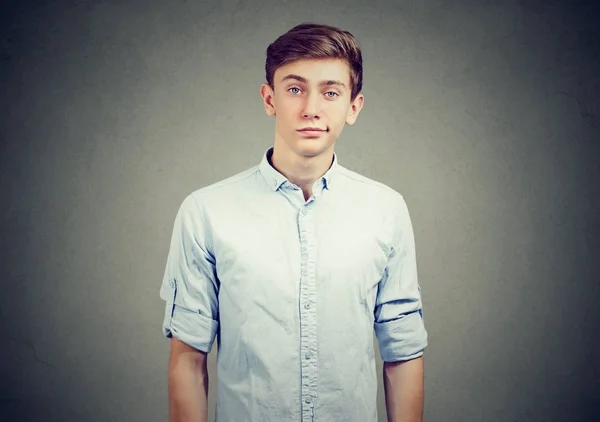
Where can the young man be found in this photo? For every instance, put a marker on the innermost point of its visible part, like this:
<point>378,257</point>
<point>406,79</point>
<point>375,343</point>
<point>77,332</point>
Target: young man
<point>294,262</point>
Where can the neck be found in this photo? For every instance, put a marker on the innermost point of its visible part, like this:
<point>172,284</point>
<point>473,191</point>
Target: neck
<point>300,170</point>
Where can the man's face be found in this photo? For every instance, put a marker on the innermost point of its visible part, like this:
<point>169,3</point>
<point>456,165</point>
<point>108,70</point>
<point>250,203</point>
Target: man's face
<point>315,94</point>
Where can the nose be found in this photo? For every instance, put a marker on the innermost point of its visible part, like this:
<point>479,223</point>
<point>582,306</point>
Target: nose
<point>311,107</point>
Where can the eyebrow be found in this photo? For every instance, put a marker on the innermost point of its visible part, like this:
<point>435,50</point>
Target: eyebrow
<point>304,80</point>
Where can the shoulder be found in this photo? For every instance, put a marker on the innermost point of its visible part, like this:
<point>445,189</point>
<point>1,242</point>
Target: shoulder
<point>222,189</point>
<point>217,194</point>
<point>232,183</point>
<point>371,189</point>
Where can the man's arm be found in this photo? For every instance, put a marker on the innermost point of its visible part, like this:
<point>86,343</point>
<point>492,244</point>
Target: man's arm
<point>399,324</point>
<point>190,289</point>
<point>404,390</point>
<point>188,383</point>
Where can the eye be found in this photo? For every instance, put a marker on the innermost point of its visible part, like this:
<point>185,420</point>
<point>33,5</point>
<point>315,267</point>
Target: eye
<point>335,94</point>
<point>294,87</point>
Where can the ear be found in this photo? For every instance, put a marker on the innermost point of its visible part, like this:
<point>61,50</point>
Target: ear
<point>355,108</point>
<point>267,94</point>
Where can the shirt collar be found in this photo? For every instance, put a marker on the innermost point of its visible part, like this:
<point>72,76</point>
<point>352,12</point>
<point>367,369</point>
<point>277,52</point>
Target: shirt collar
<point>275,179</point>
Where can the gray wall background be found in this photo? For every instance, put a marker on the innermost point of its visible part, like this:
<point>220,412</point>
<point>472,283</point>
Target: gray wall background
<point>484,115</point>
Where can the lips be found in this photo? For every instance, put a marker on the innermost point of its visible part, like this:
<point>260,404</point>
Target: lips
<point>312,131</point>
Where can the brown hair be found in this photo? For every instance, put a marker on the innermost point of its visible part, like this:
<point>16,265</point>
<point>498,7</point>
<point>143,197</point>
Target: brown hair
<point>315,41</point>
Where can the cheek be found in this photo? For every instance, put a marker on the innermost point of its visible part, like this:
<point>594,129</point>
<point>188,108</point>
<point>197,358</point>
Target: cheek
<point>286,120</point>
<point>339,118</point>
<point>287,113</point>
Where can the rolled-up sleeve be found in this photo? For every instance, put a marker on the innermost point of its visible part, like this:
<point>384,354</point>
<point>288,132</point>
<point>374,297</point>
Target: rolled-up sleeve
<point>399,326</point>
<point>190,284</point>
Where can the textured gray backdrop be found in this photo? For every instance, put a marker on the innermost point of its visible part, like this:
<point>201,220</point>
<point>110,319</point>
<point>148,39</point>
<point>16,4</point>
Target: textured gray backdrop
<point>484,115</point>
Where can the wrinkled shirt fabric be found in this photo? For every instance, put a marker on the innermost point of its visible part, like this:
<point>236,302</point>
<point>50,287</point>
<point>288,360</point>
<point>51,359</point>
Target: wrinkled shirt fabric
<point>293,289</point>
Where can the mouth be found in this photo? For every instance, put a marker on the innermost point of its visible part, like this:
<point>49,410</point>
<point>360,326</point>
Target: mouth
<point>312,131</point>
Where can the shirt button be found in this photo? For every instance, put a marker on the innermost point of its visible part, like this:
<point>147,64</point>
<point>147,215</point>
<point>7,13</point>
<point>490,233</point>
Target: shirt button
<point>171,283</point>
<point>308,355</point>
<point>304,211</point>
<point>307,401</point>
<point>307,305</point>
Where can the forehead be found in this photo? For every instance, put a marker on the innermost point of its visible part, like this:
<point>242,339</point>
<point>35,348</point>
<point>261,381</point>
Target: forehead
<point>315,70</point>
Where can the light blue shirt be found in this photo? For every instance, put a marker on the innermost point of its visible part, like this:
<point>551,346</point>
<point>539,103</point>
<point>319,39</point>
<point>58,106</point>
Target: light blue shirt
<point>292,290</point>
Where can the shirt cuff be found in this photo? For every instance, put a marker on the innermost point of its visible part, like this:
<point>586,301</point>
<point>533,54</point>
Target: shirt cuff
<point>401,339</point>
<point>192,328</point>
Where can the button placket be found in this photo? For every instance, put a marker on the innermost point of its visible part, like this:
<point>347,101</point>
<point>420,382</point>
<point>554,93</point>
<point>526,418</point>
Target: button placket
<point>308,331</point>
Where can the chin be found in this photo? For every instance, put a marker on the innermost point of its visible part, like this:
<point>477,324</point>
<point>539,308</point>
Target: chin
<point>312,149</point>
